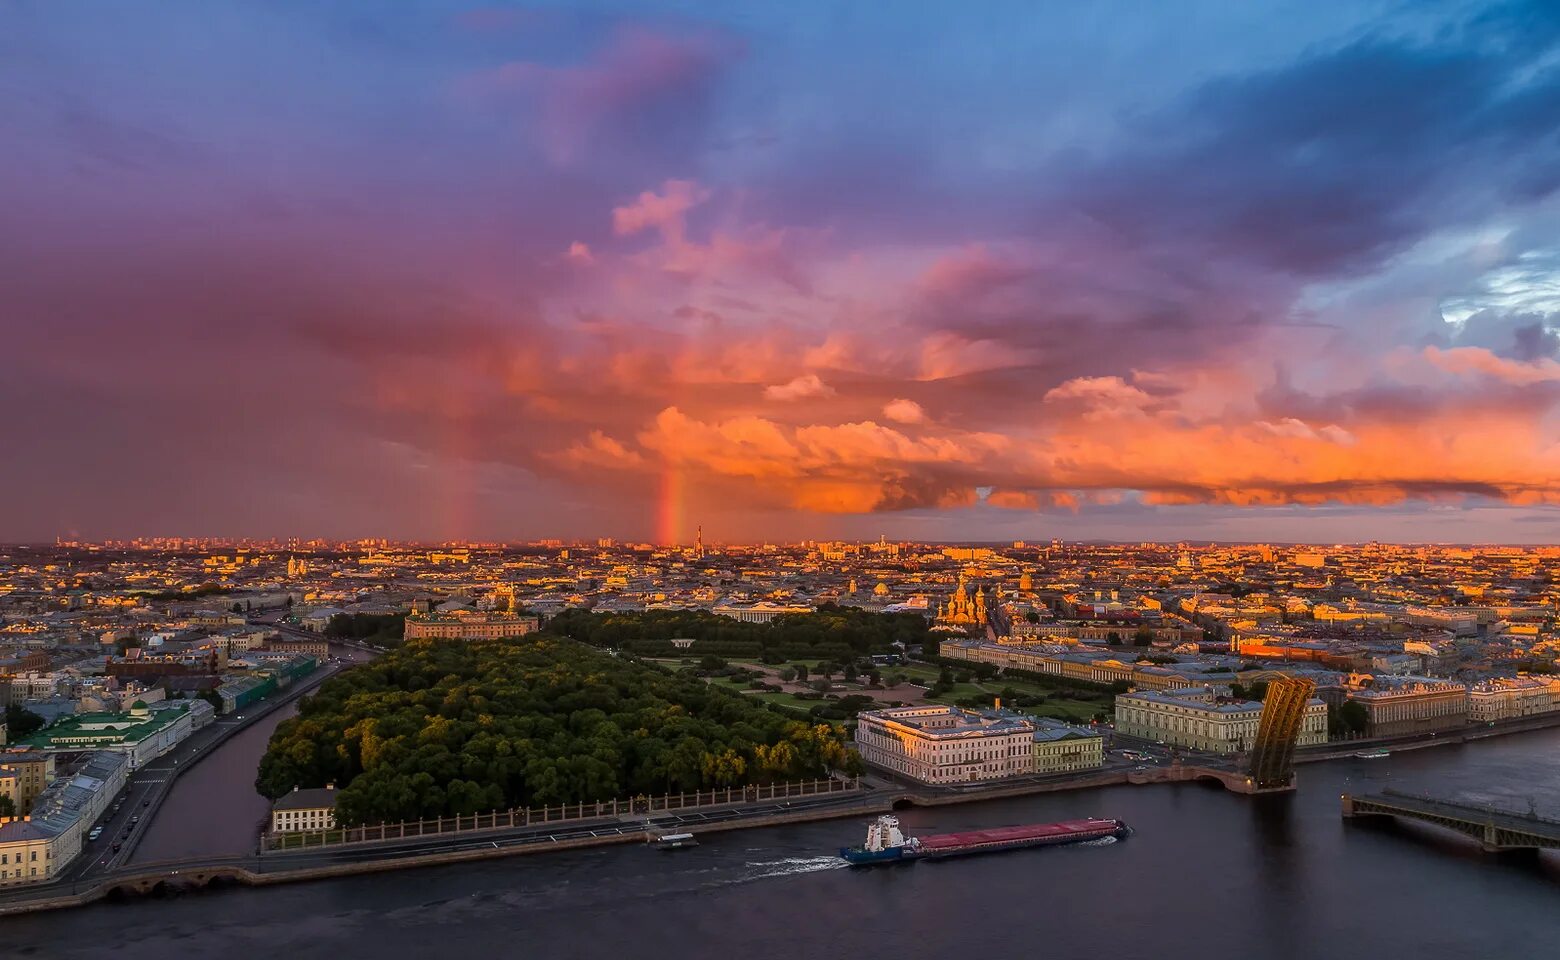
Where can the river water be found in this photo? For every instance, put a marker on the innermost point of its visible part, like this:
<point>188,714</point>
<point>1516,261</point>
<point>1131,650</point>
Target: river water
<point>1207,874</point>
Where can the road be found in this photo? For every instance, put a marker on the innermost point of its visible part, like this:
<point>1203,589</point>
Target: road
<point>626,825</point>
<point>134,814</point>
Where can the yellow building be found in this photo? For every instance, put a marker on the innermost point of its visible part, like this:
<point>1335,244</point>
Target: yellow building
<point>36,847</point>
<point>1064,748</point>
<point>23,776</point>
<point>467,625</point>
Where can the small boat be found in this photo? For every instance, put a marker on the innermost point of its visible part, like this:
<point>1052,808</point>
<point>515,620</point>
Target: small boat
<point>887,844</point>
<point>1375,754</point>
<point>675,841</point>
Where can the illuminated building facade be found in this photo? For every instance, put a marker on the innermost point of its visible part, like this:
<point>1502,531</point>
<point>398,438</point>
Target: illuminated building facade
<point>1198,719</point>
<point>466,625</point>
<point>942,744</point>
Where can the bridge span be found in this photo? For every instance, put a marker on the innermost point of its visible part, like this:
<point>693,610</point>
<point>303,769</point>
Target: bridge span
<point>1495,829</point>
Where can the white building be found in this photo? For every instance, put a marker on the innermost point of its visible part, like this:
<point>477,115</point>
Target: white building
<point>143,734</point>
<point>1195,717</point>
<point>941,744</point>
<point>1506,697</point>
<point>304,810</point>
<point>761,612</point>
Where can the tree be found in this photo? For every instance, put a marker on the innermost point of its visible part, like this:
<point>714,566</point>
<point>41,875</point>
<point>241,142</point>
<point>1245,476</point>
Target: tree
<point>710,662</point>
<point>1353,718</point>
<point>1144,637</point>
<point>7,807</point>
<point>788,674</point>
<point>1032,616</point>
<point>22,722</point>
<point>1113,639</point>
<point>850,674</point>
<point>441,727</point>
<point>801,672</point>
<point>874,678</point>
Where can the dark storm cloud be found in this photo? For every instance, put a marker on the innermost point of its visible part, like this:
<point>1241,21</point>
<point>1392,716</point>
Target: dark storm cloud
<point>1327,166</point>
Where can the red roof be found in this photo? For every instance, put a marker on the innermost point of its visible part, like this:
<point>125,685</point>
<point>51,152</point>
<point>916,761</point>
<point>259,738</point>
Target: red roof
<point>1032,831</point>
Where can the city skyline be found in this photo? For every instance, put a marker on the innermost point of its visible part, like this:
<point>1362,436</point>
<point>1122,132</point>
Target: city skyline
<point>454,271</point>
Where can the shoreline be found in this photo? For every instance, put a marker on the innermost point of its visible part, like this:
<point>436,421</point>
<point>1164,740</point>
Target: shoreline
<point>160,880</point>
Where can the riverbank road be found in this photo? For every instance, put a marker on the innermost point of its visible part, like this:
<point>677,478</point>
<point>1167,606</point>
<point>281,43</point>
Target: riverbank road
<point>133,812</point>
<point>542,834</point>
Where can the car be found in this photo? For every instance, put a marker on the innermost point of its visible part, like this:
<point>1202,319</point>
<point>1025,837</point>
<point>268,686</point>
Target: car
<point>136,819</point>
<point>239,717</point>
<point>146,803</point>
<point>94,833</point>
<point>116,846</point>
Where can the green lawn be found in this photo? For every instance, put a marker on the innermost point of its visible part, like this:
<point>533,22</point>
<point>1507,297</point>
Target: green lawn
<point>786,699</point>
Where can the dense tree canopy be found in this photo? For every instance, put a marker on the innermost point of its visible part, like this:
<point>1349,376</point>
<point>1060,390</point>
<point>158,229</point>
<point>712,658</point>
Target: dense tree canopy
<point>442,727</point>
<point>380,628</point>
<point>832,632</point>
<point>22,722</point>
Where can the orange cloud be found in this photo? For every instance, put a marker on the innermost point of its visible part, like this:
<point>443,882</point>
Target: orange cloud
<point>807,385</point>
<point>904,411</point>
<point>1464,361</point>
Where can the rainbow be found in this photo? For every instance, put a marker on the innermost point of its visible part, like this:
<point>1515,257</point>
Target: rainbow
<point>669,507</point>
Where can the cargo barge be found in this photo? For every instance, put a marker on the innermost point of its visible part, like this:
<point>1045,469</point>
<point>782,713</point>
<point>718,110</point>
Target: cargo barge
<point>885,842</point>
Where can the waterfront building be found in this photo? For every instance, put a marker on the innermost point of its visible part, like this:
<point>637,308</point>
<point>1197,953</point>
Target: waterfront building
<point>1199,719</point>
<point>142,734</point>
<point>942,744</point>
<point>1064,747</point>
<point>470,625</point>
<point>23,776</point>
<point>304,810</point>
<point>1504,698</point>
<point>36,847</point>
<point>1398,706</point>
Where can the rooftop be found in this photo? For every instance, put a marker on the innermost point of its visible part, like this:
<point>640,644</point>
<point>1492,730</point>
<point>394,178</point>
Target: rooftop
<point>313,799</point>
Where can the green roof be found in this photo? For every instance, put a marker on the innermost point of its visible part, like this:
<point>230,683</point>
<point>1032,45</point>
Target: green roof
<point>76,732</point>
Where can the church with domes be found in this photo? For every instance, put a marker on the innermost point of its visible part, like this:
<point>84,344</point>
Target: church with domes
<point>963,609</point>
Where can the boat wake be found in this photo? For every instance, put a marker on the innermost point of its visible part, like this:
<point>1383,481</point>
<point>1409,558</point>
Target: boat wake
<point>791,866</point>
<point>1101,842</point>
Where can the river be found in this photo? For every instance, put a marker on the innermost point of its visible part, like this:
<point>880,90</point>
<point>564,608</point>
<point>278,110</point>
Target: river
<point>1208,873</point>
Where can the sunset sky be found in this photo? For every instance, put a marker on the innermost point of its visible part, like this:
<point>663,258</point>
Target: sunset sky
<point>958,271</point>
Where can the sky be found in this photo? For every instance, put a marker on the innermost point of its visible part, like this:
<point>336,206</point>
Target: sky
<point>1258,271</point>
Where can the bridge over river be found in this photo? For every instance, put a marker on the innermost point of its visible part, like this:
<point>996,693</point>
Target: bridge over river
<point>1494,828</point>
